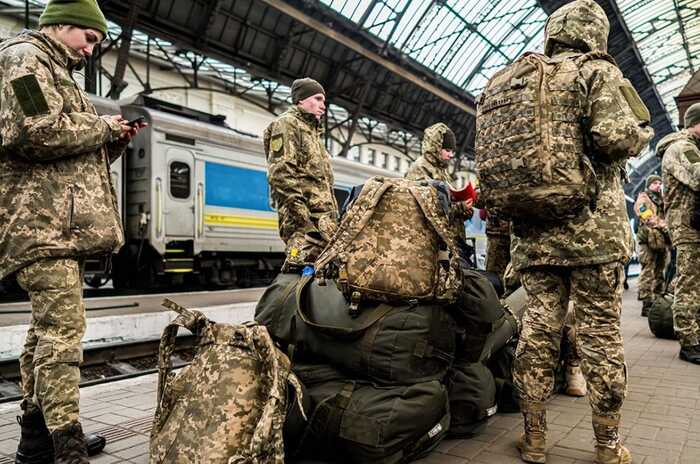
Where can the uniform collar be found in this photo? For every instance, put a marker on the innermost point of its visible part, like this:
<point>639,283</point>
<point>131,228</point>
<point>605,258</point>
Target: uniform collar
<point>308,118</point>
<point>65,56</point>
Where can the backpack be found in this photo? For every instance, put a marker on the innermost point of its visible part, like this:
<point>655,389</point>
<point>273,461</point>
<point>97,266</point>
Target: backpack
<point>356,422</point>
<point>660,318</point>
<point>229,404</point>
<point>394,244</point>
<point>533,141</point>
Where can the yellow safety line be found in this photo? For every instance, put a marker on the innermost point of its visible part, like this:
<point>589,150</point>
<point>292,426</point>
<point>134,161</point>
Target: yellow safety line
<point>241,221</point>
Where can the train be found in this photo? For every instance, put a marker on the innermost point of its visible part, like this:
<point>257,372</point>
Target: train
<point>195,204</point>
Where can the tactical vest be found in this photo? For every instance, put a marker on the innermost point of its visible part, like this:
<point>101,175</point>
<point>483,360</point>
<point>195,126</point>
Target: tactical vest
<point>394,244</point>
<point>532,142</point>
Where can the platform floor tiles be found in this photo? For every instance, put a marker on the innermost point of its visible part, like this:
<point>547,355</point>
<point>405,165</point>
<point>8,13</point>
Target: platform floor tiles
<point>661,416</point>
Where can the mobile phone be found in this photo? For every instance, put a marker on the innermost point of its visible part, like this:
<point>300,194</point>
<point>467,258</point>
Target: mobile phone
<point>137,121</point>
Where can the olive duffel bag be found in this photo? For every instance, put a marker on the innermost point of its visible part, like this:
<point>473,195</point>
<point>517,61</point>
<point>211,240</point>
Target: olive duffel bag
<point>660,318</point>
<point>386,344</point>
<point>354,422</point>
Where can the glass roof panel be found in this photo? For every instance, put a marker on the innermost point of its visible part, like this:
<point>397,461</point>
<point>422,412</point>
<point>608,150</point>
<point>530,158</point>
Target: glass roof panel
<point>667,33</point>
<point>463,41</point>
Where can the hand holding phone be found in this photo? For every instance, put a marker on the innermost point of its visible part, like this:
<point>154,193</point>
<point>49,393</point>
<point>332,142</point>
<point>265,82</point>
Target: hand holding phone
<point>137,122</point>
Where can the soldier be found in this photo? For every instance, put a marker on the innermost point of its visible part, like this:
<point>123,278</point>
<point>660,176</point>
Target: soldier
<point>653,252</point>
<point>680,153</point>
<point>300,176</point>
<point>57,206</point>
<point>581,259</point>
<point>438,148</point>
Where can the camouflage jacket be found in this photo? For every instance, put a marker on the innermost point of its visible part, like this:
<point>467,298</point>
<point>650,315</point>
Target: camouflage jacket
<point>300,175</point>
<point>649,208</point>
<point>601,234</point>
<point>431,166</point>
<point>681,173</point>
<point>496,225</point>
<point>56,196</point>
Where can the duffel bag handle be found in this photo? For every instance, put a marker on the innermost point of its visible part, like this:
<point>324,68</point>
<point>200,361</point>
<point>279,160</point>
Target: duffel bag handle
<point>335,331</point>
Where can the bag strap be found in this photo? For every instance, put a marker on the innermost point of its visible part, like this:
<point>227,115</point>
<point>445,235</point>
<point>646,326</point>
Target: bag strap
<point>335,331</point>
<point>190,320</point>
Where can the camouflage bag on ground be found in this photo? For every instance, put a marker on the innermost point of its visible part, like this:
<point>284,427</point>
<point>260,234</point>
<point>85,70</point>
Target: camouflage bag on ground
<point>229,405</point>
<point>660,318</point>
<point>354,422</point>
<point>532,153</point>
<point>394,244</point>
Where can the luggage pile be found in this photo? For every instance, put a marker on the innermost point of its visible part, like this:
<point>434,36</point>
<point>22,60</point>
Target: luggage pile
<point>391,339</point>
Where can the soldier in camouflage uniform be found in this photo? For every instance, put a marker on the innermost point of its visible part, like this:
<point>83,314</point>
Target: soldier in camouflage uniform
<point>680,154</point>
<point>652,238</point>
<point>438,147</point>
<point>581,259</point>
<point>57,205</point>
<point>300,176</point>
<point>497,245</point>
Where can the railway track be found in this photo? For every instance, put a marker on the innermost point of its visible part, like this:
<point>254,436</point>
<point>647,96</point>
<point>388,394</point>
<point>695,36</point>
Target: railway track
<point>106,363</point>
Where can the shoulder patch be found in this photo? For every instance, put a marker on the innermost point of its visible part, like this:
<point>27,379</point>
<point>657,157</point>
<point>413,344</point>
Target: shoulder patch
<point>692,156</point>
<point>635,102</point>
<point>276,142</point>
<point>29,95</point>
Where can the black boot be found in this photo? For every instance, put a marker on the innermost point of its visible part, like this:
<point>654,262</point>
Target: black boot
<point>35,444</point>
<point>690,354</point>
<point>646,305</point>
<point>69,445</point>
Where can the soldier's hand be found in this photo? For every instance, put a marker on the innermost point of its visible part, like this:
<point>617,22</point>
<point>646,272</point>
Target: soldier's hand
<point>129,131</point>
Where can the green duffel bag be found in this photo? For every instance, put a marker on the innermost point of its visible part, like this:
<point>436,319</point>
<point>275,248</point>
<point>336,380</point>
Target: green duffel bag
<point>472,392</point>
<point>277,306</point>
<point>357,423</point>
<point>660,318</point>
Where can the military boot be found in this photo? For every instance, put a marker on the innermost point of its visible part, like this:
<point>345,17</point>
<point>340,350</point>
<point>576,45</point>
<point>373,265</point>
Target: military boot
<point>690,354</point>
<point>575,382</point>
<point>609,449</point>
<point>69,445</point>
<point>35,445</point>
<point>646,305</point>
<point>532,443</point>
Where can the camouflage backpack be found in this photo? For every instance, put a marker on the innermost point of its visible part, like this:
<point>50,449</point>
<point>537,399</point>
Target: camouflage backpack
<point>394,244</point>
<point>532,142</point>
<point>229,405</point>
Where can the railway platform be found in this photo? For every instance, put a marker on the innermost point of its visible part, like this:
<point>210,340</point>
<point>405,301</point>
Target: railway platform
<point>661,416</point>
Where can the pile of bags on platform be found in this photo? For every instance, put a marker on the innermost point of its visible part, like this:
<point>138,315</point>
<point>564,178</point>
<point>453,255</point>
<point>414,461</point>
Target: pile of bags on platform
<point>391,344</point>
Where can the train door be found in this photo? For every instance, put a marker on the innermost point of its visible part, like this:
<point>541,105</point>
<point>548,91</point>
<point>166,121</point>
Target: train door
<point>198,204</point>
<point>180,195</point>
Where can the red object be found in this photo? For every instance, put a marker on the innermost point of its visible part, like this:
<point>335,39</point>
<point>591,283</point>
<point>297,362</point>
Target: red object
<point>467,193</point>
<point>483,214</point>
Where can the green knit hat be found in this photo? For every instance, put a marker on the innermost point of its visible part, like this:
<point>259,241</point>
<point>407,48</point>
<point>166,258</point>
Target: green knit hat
<point>692,115</point>
<point>83,13</point>
<point>653,178</point>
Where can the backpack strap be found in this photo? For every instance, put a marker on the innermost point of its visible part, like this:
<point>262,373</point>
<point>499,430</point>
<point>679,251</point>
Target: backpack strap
<point>344,333</point>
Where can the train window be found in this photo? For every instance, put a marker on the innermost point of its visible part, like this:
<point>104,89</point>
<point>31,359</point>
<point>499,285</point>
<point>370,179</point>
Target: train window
<point>179,179</point>
<point>341,195</point>
<point>385,160</point>
<point>371,156</point>
<point>397,163</point>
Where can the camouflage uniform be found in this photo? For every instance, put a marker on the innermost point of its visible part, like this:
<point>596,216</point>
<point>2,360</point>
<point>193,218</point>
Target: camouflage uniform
<point>653,261</point>
<point>497,245</point>
<point>301,184</point>
<point>57,204</point>
<point>580,259</point>
<point>681,174</point>
<point>430,165</point>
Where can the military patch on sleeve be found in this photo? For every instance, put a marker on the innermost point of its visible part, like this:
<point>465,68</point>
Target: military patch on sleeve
<point>692,156</point>
<point>276,142</point>
<point>635,103</point>
<point>29,95</point>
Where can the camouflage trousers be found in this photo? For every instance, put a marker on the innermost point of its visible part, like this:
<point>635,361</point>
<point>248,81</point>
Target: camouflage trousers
<point>686,297</point>
<point>651,277</point>
<point>497,254</point>
<point>596,294</point>
<point>52,352</point>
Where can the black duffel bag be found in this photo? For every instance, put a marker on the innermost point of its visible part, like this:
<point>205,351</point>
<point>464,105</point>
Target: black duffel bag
<point>354,422</point>
<point>660,318</point>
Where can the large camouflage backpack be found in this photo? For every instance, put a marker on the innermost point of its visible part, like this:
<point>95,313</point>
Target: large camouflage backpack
<point>394,244</point>
<point>229,405</point>
<point>532,142</point>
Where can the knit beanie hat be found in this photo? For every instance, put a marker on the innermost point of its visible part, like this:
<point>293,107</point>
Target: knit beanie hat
<point>652,178</point>
<point>83,13</point>
<point>304,88</point>
<point>449,141</point>
<point>692,115</point>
